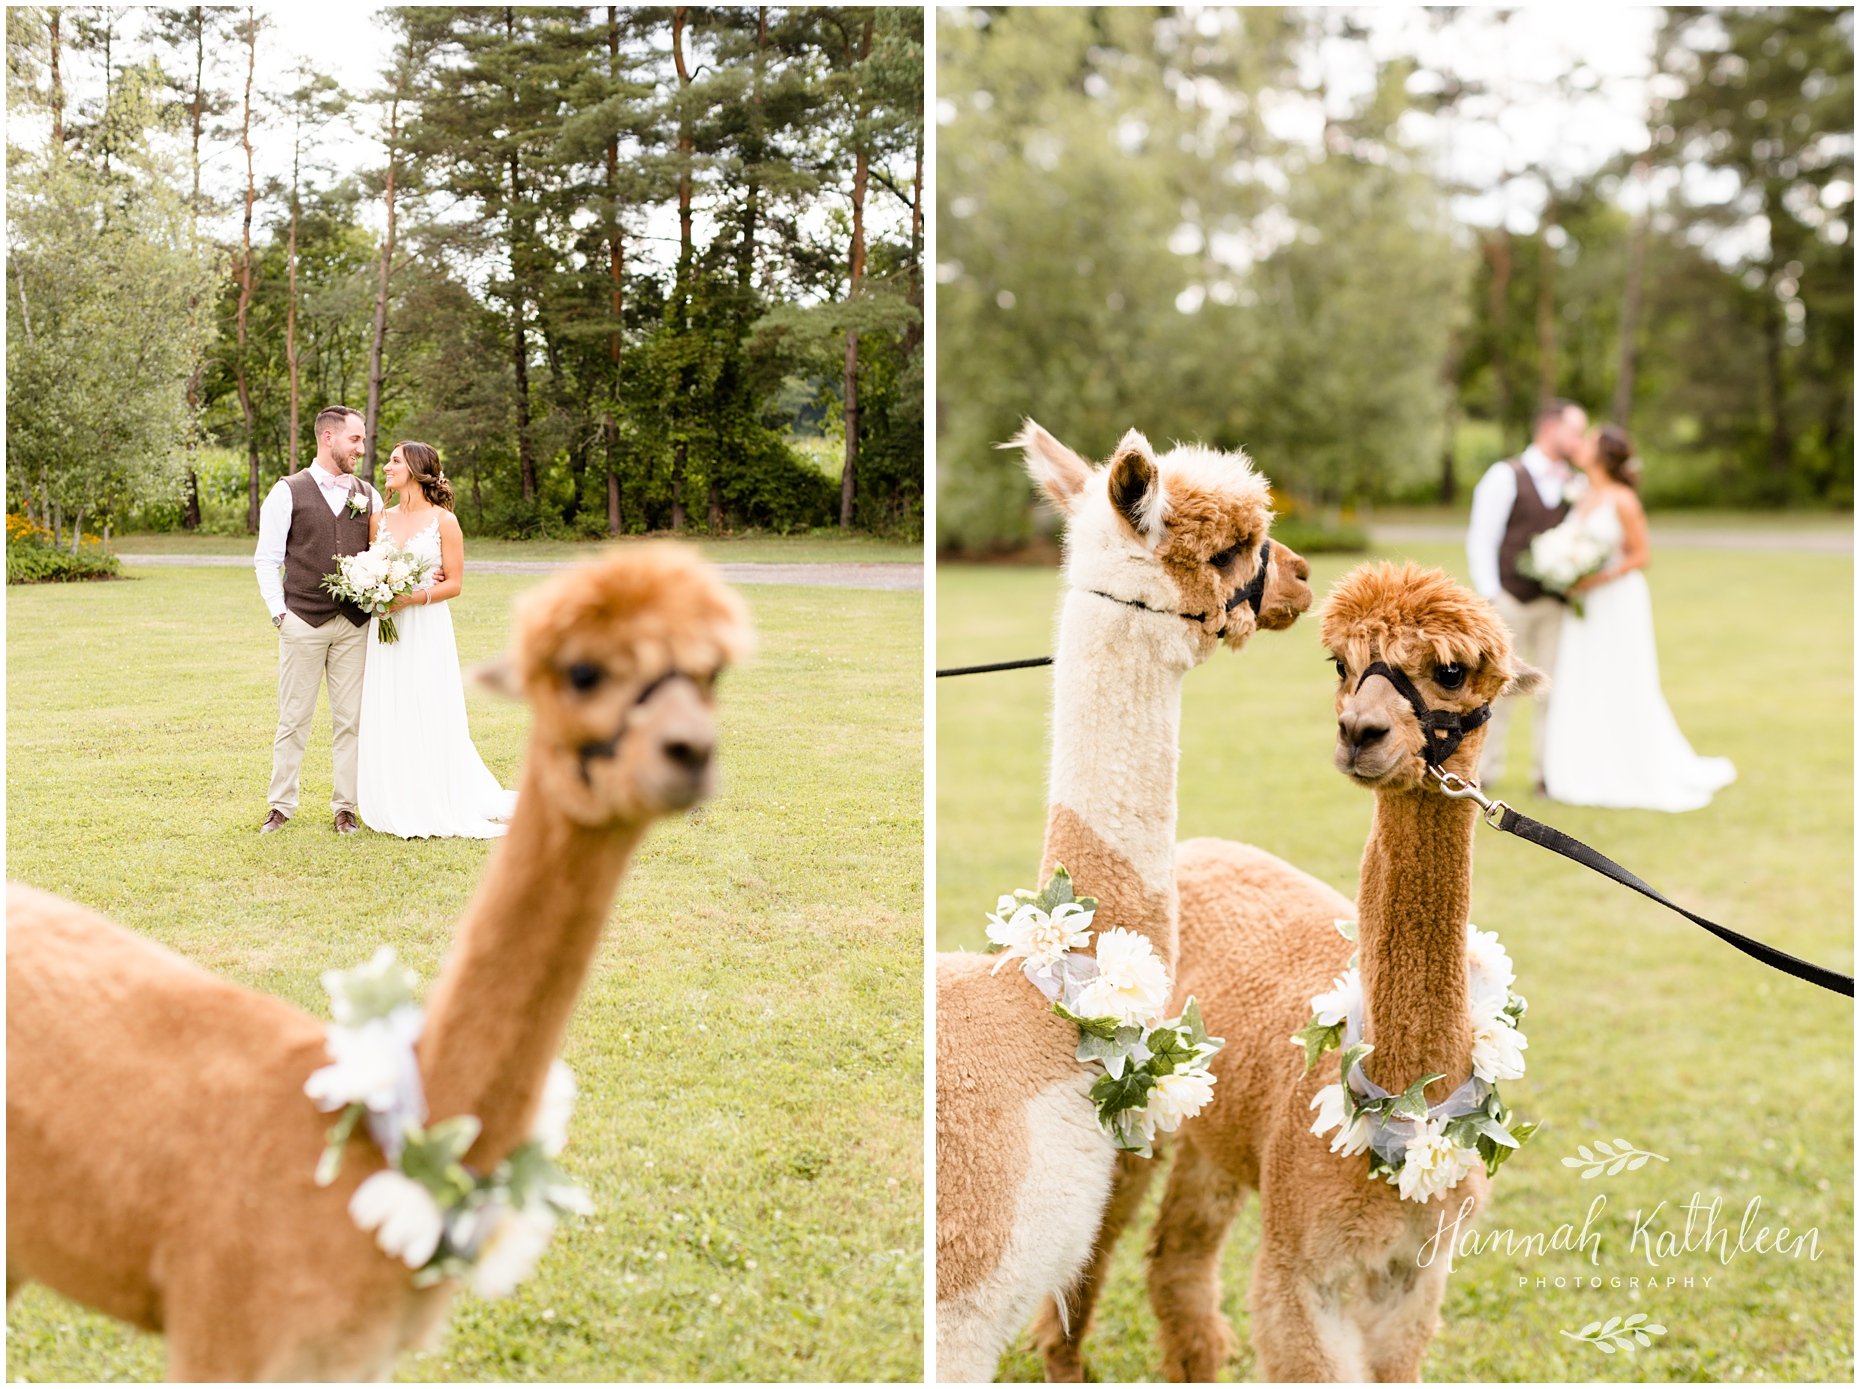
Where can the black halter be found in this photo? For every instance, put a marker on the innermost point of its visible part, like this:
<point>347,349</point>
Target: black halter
<point>1253,595</point>
<point>609,746</point>
<point>1441,729</point>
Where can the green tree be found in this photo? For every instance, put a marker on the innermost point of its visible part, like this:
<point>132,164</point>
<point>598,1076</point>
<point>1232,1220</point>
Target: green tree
<point>108,314</point>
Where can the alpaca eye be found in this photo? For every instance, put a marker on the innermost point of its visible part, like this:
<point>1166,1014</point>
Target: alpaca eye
<point>1343,671</point>
<point>584,676</point>
<point>1450,676</point>
<point>1225,557</point>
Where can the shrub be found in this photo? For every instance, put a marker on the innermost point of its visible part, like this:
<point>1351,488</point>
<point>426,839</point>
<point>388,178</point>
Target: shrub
<point>31,558</point>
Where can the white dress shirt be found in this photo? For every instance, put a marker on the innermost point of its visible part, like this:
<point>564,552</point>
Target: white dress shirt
<point>1491,512</point>
<point>274,528</point>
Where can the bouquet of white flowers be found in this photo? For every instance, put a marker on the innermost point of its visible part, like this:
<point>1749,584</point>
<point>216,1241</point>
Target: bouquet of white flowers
<point>1563,556</point>
<point>375,577</point>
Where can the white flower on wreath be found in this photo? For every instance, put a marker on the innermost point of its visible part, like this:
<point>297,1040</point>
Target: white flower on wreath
<point>558,1104</point>
<point>403,1214</point>
<point>1345,997</point>
<point>1433,1163</point>
<point>372,1064</point>
<point>1179,1095</point>
<point>1041,938</point>
<point>1132,986</point>
<point>1354,1135</point>
<point>1489,972</point>
<point>511,1252</point>
<point>1498,1048</point>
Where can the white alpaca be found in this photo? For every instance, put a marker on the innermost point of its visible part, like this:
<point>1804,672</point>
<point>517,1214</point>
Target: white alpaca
<point>1157,551</point>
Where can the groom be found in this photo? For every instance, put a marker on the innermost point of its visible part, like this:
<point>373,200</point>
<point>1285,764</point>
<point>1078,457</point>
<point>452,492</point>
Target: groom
<point>1514,502</point>
<point>309,520</point>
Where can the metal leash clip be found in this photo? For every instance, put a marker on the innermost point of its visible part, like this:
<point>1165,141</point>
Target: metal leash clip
<point>1456,786</point>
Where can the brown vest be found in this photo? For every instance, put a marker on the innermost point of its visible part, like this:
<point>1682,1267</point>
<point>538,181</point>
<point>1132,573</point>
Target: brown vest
<point>317,538</point>
<point>1529,518</point>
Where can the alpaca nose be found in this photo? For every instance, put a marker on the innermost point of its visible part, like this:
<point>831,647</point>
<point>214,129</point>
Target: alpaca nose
<point>690,753</point>
<point>1358,730</point>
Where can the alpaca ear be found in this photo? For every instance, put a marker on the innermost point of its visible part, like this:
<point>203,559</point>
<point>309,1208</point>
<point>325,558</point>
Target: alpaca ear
<point>1061,473</point>
<point>497,676</point>
<point>1525,680</point>
<point>1136,487</point>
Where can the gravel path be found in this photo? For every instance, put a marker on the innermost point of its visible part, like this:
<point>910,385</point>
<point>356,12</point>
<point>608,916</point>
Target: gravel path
<point>895,577</point>
<point>1678,538</point>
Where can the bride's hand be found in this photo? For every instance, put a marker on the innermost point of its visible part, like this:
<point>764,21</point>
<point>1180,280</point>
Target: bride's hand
<point>1589,581</point>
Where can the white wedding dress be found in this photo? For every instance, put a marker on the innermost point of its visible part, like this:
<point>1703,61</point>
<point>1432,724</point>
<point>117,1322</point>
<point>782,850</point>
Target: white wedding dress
<point>418,774</point>
<point>1609,739</point>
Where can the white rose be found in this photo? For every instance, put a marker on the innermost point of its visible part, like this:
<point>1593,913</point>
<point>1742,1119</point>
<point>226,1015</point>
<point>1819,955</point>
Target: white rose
<point>1354,1135</point>
<point>1038,936</point>
<point>558,1103</point>
<point>1177,1096</point>
<point>1489,972</point>
<point>1345,997</point>
<point>1497,1049</point>
<point>373,1064</point>
<point>405,1217</point>
<point>509,1256</point>
<point>1433,1163</point>
<point>1132,985</point>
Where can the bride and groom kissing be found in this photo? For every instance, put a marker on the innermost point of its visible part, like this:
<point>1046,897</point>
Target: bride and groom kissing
<point>401,745</point>
<point>1603,735</point>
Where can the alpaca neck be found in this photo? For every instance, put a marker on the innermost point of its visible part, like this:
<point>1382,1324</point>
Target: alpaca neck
<point>1413,901</point>
<point>1117,708</point>
<point>496,1016</point>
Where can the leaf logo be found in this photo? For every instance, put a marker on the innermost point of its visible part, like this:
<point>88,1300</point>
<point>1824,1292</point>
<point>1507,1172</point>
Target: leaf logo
<point>1623,1156</point>
<point>1615,1334</point>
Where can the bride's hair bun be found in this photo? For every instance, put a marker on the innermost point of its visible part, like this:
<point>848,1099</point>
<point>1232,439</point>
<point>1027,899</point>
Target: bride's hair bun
<point>1616,452</point>
<point>423,464</point>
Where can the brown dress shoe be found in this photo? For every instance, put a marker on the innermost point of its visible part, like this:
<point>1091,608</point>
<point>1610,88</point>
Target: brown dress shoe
<point>346,823</point>
<point>277,820</point>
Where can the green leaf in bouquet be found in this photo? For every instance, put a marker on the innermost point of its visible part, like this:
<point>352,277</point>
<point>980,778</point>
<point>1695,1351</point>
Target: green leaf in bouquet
<point>1412,1103</point>
<point>1092,1047</point>
<point>1114,1094</point>
<point>1105,1028</point>
<point>1318,1039</point>
<point>337,1139</point>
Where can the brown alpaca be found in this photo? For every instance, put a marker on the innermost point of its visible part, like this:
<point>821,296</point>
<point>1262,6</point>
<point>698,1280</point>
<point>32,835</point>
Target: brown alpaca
<point>160,1148</point>
<point>1337,1293</point>
<point>1158,548</point>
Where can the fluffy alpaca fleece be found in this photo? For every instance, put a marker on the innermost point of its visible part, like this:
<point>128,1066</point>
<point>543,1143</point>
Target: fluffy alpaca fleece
<point>1336,1294</point>
<point>1023,1169</point>
<point>160,1148</point>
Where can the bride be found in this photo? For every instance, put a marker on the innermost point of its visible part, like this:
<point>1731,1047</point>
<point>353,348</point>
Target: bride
<point>1609,738</point>
<point>419,774</point>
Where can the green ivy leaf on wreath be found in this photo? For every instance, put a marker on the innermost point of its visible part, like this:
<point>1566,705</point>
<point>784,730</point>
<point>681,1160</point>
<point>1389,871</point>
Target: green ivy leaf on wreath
<point>1616,1333</point>
<point>1621,1157</point>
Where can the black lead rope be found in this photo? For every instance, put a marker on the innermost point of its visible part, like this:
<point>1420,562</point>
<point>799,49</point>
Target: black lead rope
<point>1503,817</point>
<point>1556,841</point>
<point>1253,595</point>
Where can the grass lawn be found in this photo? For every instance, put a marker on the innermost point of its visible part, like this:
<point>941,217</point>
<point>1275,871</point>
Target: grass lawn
<point>1641,1026</point>
<point>815,547</point>
<point>759,1201</point>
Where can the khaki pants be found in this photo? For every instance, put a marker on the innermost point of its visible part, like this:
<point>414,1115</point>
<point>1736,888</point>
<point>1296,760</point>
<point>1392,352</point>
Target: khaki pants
<point>306,655</point>
<point>1535,627</point>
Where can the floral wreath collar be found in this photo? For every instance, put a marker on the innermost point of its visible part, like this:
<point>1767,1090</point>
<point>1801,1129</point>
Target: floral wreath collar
<point>426,1207</point>
<point>1422,1150</point>
<point>1154,1073</point>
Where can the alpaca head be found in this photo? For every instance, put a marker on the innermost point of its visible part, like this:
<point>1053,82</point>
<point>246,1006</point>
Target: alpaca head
<point>1446,639</point>
<point>620,660</point>
<point>1177,532</point>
